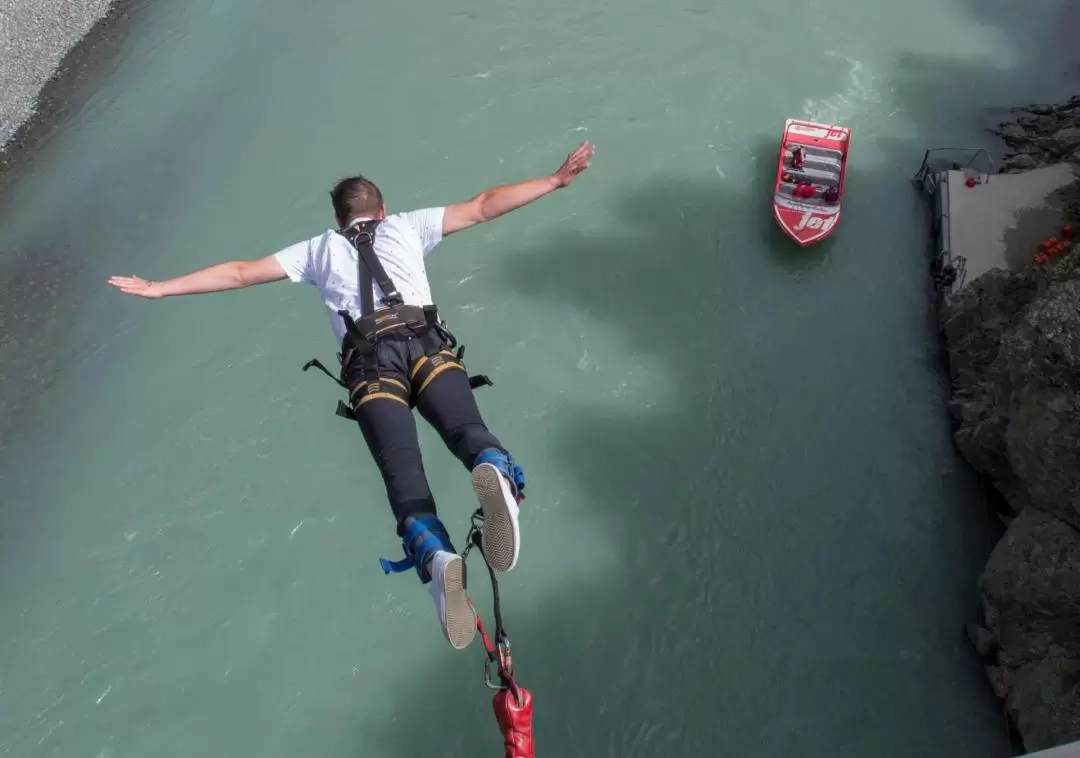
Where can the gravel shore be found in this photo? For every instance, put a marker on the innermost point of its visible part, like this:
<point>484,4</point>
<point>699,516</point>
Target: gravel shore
<point>50,53</point>
<point>35,35</point>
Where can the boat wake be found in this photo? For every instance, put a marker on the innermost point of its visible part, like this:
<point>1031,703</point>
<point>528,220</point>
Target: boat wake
<point>857,98</point>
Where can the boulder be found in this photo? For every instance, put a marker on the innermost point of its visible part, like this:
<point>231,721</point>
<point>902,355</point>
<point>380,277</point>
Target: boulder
<point>1019,162</point>
<point>1068,139</point>
<point>1031,602</point>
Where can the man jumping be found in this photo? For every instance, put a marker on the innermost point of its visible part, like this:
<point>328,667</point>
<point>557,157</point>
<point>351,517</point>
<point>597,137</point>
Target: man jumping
<point>396,355</point>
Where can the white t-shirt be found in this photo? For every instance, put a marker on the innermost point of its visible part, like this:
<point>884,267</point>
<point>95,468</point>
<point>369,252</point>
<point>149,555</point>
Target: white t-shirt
<point>330,263</point>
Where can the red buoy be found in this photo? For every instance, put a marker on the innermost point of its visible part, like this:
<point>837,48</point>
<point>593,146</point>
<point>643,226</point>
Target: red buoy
<point>971,182</point>
<point>1067,231</point>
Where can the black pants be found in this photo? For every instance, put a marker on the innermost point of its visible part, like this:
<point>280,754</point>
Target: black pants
<point>388,425</point>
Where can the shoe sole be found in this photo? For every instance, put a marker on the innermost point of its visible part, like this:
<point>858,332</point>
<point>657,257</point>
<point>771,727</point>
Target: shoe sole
<point>460,616</point>
<point>500,538</point>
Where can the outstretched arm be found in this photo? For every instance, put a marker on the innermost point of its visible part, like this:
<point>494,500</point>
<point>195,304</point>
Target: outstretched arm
<point>495,202</point>
<point>218,278</point>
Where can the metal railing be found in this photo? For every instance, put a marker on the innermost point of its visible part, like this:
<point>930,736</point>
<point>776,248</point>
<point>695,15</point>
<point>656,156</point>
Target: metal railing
<point>939,159</point>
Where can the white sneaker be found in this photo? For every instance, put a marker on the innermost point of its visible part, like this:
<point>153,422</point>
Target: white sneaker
<point>448,584</point>
<point>501,537</point>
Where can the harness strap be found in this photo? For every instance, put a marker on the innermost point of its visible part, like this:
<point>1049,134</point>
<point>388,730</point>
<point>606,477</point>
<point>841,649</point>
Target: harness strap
<point>423,535</point>
<point>316,363</point>
<point>380,388</point>
<point>361,236</point>
<point>436,360</point>
<point>504,462</point>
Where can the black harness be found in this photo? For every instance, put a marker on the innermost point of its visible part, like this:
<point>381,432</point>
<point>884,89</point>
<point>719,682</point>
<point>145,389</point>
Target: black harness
<point>395,320</point>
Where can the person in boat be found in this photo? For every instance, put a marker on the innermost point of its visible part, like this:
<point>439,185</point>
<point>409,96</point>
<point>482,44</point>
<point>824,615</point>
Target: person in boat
<point>832,194</point>
<point>797,158</point>
<point>389,374</point>
<point>804,189</point>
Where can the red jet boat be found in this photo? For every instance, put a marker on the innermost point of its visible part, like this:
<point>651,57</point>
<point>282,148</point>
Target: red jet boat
<point>810,175</point>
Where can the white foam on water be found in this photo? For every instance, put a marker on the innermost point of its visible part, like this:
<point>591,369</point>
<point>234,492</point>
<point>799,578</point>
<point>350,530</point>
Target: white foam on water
<point>860,95</point>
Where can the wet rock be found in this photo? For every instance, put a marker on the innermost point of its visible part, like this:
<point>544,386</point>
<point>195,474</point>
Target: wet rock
<point>1069,135</point>
<point>1020,162</point>
<point>996,676</point>
<point>1043,702</point>
<point>981,639</point>
<point>1046,133</point>
<point>1013,132</point>
<point>1068,138</point>
<point>1031,590</point>
<point>1031,600</point>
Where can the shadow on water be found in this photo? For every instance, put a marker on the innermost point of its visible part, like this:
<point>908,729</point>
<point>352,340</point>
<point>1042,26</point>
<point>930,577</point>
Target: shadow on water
<point>650,667</point>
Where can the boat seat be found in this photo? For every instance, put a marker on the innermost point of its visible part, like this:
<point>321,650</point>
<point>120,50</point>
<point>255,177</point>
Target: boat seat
<point>820,164</point>
<point>818,198</point>
<point>818,161</point>
<point>825,153</point>
<point>817,178</point>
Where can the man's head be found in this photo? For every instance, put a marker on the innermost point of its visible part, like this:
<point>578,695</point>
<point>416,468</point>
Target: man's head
<point>356,196</point>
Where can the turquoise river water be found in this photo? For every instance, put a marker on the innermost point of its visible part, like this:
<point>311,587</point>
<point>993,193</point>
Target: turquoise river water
<point>746,529</point>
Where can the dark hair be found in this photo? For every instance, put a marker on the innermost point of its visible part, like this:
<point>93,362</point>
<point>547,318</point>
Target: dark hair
<point>355,196</point>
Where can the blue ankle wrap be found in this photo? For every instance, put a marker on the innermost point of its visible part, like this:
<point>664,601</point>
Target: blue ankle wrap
<point>504,462</point>
<point>424,535</point>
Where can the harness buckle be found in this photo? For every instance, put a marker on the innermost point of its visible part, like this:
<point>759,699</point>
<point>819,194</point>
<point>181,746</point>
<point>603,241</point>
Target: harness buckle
<point>362,236</point>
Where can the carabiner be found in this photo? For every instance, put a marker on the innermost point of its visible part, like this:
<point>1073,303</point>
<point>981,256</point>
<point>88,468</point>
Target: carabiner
<point>487,676</point>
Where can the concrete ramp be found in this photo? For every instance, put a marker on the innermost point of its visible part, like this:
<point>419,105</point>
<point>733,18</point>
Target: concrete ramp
<point>1000,221</point>
<point>1072,750</point>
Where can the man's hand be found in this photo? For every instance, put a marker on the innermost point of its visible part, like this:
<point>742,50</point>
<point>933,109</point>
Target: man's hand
<point>575,163</point>
<point>133,285</point>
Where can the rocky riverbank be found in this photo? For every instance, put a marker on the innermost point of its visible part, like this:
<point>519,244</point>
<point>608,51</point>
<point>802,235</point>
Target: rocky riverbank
<point>48,51</point>
<point>34,38</point>
<point>1042,134</point>
<point>1013,341</point>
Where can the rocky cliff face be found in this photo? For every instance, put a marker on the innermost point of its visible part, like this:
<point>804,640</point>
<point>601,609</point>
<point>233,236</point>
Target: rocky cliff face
<point>1042,134</point>
<point>1014,349</point>
<point>1014,345</point>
